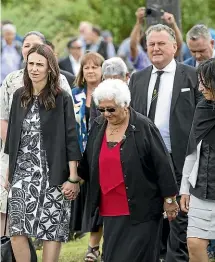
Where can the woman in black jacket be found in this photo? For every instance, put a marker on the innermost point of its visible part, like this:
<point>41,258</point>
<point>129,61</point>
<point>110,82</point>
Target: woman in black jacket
<point>198,181</point>
<point>43,152</point>
<point>130,176</point>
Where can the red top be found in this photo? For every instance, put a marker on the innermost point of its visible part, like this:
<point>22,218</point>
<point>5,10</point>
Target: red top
<point>113,194</point>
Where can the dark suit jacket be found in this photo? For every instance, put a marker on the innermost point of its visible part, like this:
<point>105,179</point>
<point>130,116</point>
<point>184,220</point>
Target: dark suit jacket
<point>69,76</point>
<point>59,135</point>
<point>66,65</point>
<point>182,107</point>
<point>147,169</point>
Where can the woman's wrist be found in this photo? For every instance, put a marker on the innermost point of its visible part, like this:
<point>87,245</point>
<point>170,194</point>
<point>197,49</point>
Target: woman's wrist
<point>73,174</point>
<point>74,180</point>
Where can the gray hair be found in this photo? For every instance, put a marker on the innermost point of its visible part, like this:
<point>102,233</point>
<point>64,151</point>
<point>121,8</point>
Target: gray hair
<point>114,66</point>
<point>37,33</point>
<point>159,28</point>
<point>113,89</point>
<point>198,31</point>
<point>9,27</point>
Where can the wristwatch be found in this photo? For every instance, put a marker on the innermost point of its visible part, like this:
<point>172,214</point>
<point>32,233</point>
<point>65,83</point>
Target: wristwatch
<point>170,200</point>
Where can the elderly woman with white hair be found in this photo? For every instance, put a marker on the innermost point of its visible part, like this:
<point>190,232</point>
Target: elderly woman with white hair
<point>113,68</point>
<point>130,173</point>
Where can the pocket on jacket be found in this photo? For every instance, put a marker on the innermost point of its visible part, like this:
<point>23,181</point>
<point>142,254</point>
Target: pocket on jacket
<point>185,90</point>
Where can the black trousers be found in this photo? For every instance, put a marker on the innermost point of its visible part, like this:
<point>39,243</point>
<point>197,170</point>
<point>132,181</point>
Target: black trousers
<point>164,238</point>
<point>177,241</point>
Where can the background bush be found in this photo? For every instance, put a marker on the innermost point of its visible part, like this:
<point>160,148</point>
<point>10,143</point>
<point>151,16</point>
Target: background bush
<point>59,19</point>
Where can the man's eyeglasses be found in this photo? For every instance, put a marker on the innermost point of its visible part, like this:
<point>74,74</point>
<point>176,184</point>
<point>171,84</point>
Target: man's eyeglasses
<point>109,110</point>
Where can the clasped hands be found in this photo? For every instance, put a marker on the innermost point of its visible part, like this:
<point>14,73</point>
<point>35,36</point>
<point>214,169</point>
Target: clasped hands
<point>70,190</point>
<point>171,210</point>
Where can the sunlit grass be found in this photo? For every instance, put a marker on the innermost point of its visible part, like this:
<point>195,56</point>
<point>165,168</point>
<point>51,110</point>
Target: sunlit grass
<point>73,251</point>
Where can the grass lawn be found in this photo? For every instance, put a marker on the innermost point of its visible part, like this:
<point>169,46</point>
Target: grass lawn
<point>74,251</point>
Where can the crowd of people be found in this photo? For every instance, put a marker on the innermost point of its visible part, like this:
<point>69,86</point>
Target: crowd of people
<point>117,141</point>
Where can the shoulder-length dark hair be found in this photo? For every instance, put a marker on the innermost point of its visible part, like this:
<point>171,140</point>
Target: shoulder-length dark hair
<point>52,88</point>
<point>206,74</point>
<point>90,56</point>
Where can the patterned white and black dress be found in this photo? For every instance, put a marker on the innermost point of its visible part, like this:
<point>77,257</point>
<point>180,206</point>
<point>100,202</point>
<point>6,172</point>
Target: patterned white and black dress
<point>35,208</point>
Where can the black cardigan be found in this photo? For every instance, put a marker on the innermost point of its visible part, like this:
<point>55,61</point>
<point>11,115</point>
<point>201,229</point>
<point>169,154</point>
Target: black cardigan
<point>60,139</point>
<point>147,168</point>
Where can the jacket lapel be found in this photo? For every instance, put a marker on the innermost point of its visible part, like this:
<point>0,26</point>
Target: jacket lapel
<point>102,124</point>
<point>22,113</point>
<point>145,86</point>
<point>177,85</point>
<point>96,145</point>
<point>69,65</point>
<point>194,62</point>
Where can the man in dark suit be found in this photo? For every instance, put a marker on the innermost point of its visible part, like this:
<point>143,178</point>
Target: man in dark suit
<point>72,62</point>
<point>167,93</point>
<point>69,76</point>
<point>200,44</point>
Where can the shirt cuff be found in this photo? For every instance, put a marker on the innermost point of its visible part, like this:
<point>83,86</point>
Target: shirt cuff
<point>185,186</point>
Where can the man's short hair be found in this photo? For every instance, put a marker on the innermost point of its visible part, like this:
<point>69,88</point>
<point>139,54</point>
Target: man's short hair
<point>9,27</point>
<point>51,45</point>
<point>96,30</point>
<point>160,28</point>
<point>71,41</point>
<point>198,31</point>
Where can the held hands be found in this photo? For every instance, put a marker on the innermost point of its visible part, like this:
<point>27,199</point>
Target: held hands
<point>140,15</point>
<point>171,210</point>
<point>184,203</point>
<point>70,190</point>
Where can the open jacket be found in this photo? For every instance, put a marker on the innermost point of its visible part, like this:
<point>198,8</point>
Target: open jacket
<point>185,96</point>
<point>58,128</point>
<point>147,168</point>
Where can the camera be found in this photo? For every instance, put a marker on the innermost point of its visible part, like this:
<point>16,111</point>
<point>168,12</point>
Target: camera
<point>154,12</point>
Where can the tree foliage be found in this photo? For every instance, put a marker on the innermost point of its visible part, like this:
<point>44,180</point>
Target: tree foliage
<point>59,20</point>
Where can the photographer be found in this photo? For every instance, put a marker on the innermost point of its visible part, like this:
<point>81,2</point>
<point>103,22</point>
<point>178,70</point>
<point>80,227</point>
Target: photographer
<point>137,33</point>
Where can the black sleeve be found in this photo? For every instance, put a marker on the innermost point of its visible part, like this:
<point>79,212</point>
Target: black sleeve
<point>6,148</point>
<point>131,83</point>
<point>83,168</point>
<point>72,145</point>
<point>12,113</point>
<point>162,163</point>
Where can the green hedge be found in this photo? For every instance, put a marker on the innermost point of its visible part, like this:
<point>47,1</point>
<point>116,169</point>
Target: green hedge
<point>59,19</point>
